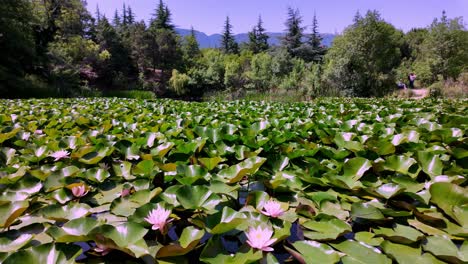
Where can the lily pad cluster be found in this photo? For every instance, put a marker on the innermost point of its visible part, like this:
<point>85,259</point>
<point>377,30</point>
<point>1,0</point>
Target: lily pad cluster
<point>161,181</point>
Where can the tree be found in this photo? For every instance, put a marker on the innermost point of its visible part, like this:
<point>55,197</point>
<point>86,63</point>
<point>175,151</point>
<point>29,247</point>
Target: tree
<point>116,21</point>
<point>312,50</point>
<point>228,43</point>
<point>294,31</point>
<point>191,49</point>
<point>362,61</point>
<point>162,18</point>
<point>124,16</point>
<point>258,39</point>
<point>445,49</point>
<point>130,16</point>
<point>17,50</point>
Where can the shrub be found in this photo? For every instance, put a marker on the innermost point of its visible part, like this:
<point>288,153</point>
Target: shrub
<point>133,94</point>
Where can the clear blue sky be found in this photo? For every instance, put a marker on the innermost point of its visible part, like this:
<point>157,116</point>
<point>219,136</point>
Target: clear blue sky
<point>333,15</point>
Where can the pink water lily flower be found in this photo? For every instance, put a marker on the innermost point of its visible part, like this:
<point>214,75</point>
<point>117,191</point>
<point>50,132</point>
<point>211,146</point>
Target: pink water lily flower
<point>61,154</point>
<point>158,218</point>
<point>79,191</point>
<point>273,209</point>
<point>259,238</point>
<point>102,249</point>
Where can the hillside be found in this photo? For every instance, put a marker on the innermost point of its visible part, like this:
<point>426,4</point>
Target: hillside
<point>212,41</point>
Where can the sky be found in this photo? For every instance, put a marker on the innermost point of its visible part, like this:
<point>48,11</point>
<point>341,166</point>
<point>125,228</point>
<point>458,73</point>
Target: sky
<point>333,16</point>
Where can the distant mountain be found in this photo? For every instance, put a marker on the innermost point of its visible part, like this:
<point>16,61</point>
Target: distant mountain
<point>213,41</point>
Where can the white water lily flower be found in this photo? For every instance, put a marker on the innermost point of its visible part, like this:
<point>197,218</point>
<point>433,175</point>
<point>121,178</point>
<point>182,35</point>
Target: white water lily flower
<point>273,209</point>
<point>61,154</point>
<point>260,238</point>
<point>38,132</point>
<point>158,218</point>
<point>79,191</point>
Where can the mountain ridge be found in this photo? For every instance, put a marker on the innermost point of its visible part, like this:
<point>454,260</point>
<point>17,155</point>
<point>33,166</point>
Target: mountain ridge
<point>214,40</point>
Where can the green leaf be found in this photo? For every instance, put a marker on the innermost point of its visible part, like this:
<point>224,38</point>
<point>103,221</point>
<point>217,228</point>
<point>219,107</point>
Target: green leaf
<point>235,173</point>
<point>316,253</point>
<point>188,175</point>
<point>408,255</point>
<point>445,249</point>
<point>47,253</point>
<point>224,221</point>
<point>354,169</point>
<point>68,212</point>
<point>10,211</point>
<point>12,245</point>
<point>326,229</point>
<point>197,197</point>
<point>214,253</point>
<point>430,163</point>
<point>358,252</point>
<point>188,240</point>
<point>127,236</point>
<point>452,199</point>
<point>365,211</point>
<point>400,234</point>
<point>399,164</point>
<point>210,163</point>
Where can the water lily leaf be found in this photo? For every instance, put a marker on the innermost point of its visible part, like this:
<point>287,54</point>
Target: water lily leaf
<point>123,169</point>
<point>430,163</point>
<point>400,234</point>
<point>389,190</point>
<point>188,175</point>
<point>214,253</point>
<point>126,236</point>
<point>73,231</point>
<point>315,253</point>
<point>368,238</point>
<point>210,163</point>
<point>452,199</point>
<point>68,212</point>
<point>326,229</point>
<point>358,252</point>
<point>9,211</point>
<point>145,168</point>
<point>188,240</point>
<point>408,255</point>
<point>445,249</point>
<point>46,253</point>
<point>126,206</point>
<point>224,221</point>
<point>12,245</point>
<point>365,211</point>
<point>399,164</point>
<point>197,197</point>
<point>97,174</point>
<point>354,169</point>
<point>235,173</point>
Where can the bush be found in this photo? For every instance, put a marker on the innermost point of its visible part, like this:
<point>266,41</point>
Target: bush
<point>133,94</point>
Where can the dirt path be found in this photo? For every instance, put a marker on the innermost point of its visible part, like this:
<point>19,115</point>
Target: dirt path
<point>419,93</point>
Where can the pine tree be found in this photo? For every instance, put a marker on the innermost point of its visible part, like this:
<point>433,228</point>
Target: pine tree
<point>124,16</point>
<point>192,48</point>
<point>116,22</point>
<point>130,16</point>
<point>258,39</point>
<point>315,42</point>
<point>294,31</point>
<point>162,18</point>
<point>98,14</point>
<point>228,43</point>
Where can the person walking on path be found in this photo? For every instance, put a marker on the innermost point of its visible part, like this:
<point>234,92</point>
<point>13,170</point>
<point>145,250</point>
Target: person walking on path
<point>411,79</point>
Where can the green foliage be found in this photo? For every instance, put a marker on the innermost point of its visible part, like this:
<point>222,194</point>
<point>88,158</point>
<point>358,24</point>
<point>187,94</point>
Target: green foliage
<point>179,82</point>
<point>133,94</point>
<point>362,61</point>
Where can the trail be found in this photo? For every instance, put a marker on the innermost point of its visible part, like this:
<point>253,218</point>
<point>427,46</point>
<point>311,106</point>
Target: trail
<point>419,93</point>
